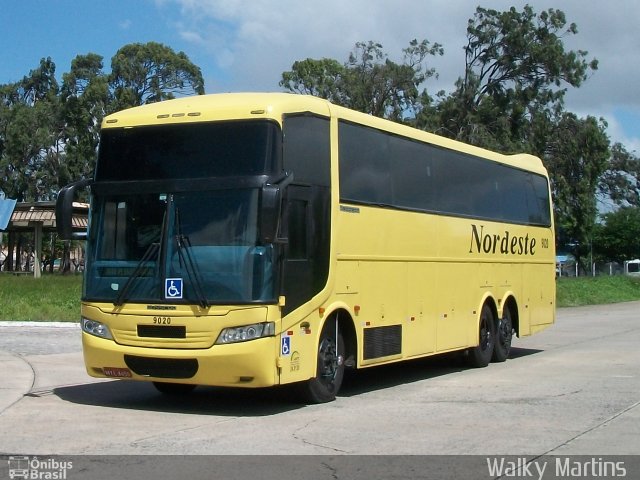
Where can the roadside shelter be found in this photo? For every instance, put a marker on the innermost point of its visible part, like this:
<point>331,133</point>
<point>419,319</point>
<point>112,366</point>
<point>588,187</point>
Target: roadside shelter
<point>39,218</point>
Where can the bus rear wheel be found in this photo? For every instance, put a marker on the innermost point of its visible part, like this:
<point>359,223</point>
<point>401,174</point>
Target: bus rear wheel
<point>504,336</point>
<point>481,355</point>
<point>330,367</point>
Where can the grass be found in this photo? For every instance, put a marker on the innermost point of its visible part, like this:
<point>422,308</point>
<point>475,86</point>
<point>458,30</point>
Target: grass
<point>573,292</point>
<point>49,298</point>
<point>57,297</point>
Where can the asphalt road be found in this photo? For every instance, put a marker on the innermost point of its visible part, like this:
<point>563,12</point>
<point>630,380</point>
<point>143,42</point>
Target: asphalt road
<point>573,389</point>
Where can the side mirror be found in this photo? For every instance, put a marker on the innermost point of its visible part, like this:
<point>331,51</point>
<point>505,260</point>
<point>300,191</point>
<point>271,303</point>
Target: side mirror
<point>64,211</point>
<point>271,209</point>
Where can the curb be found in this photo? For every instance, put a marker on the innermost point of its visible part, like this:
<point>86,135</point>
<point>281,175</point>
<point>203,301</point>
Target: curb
<point>6,323</point>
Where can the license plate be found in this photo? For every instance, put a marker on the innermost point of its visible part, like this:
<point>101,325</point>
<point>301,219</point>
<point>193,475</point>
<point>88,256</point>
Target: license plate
<point>117,372</point>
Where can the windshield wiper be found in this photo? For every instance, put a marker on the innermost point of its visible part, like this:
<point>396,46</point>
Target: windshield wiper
<point>151,251</point>
<point>186,260</point>
<point>184,252</point>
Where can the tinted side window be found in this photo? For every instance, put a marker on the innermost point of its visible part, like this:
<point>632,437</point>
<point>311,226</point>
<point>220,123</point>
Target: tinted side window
<point>538,200</point>
<point>365,169</point>
<point>513,196</point>
<point>384,169</point>
<point>411,175</point>
<point>298,245</point>
<point>307,149</point>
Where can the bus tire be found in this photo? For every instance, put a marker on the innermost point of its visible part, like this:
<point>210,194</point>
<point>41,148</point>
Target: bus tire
<point>480,355</point>
<point>330,367</point>
<point>504,336</point>
<point>173,388</point>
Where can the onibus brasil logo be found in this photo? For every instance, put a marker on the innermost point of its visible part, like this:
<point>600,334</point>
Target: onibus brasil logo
<point>35,468</point>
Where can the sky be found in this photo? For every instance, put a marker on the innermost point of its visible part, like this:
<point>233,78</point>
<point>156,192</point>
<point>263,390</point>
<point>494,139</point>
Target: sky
<point>246,45</point>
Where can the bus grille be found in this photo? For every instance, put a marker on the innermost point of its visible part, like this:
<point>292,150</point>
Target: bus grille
<point>382,341</point>
<point>162,367</point>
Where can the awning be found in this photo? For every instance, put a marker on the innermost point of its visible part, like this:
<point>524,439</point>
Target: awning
<point>6,210</point>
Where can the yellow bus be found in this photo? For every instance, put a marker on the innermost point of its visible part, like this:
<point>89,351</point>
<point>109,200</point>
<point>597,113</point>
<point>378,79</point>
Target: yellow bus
<point>252,240</point>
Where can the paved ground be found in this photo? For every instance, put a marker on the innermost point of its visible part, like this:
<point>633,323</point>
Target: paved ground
<point>573,389</point>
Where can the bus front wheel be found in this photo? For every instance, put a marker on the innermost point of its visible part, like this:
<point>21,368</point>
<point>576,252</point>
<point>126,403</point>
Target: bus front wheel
<point>481,355</point>
<point>330,367</point>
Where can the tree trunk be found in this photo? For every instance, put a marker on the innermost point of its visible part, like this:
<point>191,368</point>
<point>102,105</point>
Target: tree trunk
<point>11,244</point>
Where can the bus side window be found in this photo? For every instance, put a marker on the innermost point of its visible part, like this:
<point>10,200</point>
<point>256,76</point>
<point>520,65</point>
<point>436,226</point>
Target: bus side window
<point>298,246</point>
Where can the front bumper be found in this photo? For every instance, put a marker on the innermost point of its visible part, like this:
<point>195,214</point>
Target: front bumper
<point>245,364</point>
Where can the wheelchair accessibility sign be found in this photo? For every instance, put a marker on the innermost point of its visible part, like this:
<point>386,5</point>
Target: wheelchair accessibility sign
<point>173,288</point>
<point>285,346</point>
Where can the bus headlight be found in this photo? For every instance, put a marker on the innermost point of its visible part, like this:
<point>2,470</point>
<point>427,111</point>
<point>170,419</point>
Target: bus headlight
<point>95,328</point>
<point>246,333</point>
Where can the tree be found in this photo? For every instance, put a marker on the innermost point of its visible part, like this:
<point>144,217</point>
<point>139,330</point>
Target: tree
<point>40,84</point>
<point>621,180</point>
<point>368,81</point>
<point>515,65</point>
<point>576,153</point>
<point>85,100</point>
<point>151,72</point>
<point>28,120</point>
<point>618,238</point>
<point>321,78</point>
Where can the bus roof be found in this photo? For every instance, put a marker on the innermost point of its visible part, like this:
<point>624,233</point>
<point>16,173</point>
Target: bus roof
<point>220,106</point>
<point>225,106</point>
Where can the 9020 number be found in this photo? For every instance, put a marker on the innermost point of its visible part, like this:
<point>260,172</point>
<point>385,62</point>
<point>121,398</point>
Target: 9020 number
<point>162,320</point>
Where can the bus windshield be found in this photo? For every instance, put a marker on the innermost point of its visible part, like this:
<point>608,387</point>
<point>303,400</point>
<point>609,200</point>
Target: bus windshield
<point>198,150</point>
<point>182,226</point>
<point>198,247</point>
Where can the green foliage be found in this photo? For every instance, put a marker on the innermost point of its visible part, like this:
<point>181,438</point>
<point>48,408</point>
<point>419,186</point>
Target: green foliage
<point>28,122</point>
<point>515,64</point>
<point>621,179</point>
<point>320,78</point>
<point>575,153</point>
<point>85,99</point>
<point>618,238</point>
<point>368,81</point>
<point>151,72</point>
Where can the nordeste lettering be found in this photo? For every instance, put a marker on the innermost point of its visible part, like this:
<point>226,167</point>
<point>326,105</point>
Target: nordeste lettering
<point>505,244</point>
